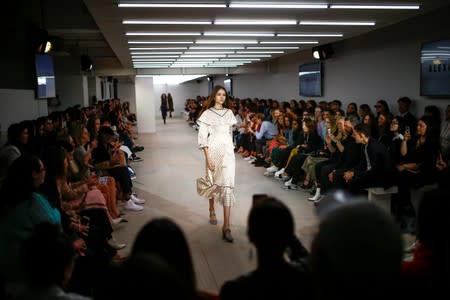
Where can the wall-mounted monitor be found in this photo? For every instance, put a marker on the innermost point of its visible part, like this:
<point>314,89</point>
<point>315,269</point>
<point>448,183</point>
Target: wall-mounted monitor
<point>435,69</point>
<point>228,85</point>
<point>45,76</point>
<point>310,79</point>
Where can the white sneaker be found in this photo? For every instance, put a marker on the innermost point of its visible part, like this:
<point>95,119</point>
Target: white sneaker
<point>279,172</point>
<point>249,157</point>
<point>272,169</point>
<point>288,183</point>
<point>116,221</point>
<point>130,205</point>
<point>136,200</point>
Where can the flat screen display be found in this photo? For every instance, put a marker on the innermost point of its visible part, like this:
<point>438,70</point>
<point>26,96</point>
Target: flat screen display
<point>45,76</point>
<point>435,69</point>
<point>310,79</point>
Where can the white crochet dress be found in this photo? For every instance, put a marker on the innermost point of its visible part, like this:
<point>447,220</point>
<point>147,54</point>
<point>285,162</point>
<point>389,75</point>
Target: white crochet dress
<point>215,132</point>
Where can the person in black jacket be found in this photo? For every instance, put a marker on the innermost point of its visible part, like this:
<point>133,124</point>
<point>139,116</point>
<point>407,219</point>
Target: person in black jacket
<point>409,121</point>
<point>373,165</point>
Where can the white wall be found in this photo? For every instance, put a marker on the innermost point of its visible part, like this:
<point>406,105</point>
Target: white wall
<point>19,105</point>
<point>145,105</point>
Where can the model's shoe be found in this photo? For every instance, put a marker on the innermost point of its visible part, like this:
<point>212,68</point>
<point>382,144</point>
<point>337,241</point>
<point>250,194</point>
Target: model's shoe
<point>288,183</point>
<point>226,235</point>
<point>316,196</point>
<point>212,218</point>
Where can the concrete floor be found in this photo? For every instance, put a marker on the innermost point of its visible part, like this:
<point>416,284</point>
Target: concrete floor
<point>166,179</point>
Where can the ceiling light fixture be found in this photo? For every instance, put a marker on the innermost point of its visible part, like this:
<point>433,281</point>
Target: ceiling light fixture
<point>215,48</point>
<point>209,52</point>
<point>173,5</point>
<point>134,52</point>
<point>272,48</point>
<point>259,52</point>
<point>225,42</point>
<point>157,48</point>
<point>290,42</point>
<point>251,5</point>
<point>310,34</point>
<point>337,23</point>
<point>161,33</point>
<point>165,22</point>
<point>344,6</point>
<point>154,56</point>
<point>255,22</point>
<point>217,33</point>
<point>160,42</point>
<point>248,55</point>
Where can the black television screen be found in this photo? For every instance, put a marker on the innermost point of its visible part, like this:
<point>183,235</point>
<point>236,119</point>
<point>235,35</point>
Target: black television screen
<point>310,77</point>
<point>228,85</point>
<point>45,76</point>
<point>435,68</point>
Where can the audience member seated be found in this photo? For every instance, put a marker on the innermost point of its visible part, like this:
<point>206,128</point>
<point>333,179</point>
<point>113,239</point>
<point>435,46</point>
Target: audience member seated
<point>22,208</point>
<point>49,258</point>
<point>357,252</point>
<point>270,229</point>
<point>165,238</point>
<point>427,275</point>
<point>144,275</point>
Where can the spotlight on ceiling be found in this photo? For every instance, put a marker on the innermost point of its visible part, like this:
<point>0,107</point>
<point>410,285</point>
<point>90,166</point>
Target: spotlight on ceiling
<point>86,63</point>
<point>322,52</point>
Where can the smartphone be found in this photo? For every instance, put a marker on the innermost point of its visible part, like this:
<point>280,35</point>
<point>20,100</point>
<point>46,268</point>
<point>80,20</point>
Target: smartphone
<point>329,131</point>
<point>259,198</point>
<point>407,129</point>
<point>85,220</point>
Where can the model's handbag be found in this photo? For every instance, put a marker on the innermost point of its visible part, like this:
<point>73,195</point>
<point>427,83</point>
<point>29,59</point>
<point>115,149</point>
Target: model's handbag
<point>204,184</point>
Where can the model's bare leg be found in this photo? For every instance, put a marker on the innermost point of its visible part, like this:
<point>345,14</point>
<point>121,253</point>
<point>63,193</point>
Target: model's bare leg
<point>226,232</point>
<point>212,213</point>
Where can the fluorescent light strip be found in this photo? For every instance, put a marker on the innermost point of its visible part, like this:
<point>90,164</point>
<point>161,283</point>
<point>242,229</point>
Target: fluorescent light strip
<point>344,6</point>
<point>146,52</point>
<point>225,42</point>
<point>150,67</point>
<point>249,55</point>
<point>255,22</point>
<point>213,33</point>
<point>160,42</point>
<point>311,34</point>
<point>154,56</point>
<point>272,48</point>
<point>209,52</point>
<point>170,5</point>
<point>156,61</point>
<point>215,48</point>
<point>165,22</point>
<point>157,48</point>
<point>161,33</point>
<point>247,60</point>
<point>289,42</point>
<point>205,55</point>
<point>248,5</point>
<point>337,23</point>
<point>259,52</point>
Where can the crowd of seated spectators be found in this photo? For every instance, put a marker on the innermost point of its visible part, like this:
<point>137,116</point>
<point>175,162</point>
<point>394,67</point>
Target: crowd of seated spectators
<point>317,147</point>
<point>70,169</point>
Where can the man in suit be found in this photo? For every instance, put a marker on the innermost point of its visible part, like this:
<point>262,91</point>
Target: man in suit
<point>404,104</point>
<point>373,166</point>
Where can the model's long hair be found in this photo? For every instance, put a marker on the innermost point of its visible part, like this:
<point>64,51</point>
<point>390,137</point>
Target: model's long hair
<point>211,99</point>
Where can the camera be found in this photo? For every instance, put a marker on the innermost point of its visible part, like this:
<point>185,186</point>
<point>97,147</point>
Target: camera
<point>407,129</point>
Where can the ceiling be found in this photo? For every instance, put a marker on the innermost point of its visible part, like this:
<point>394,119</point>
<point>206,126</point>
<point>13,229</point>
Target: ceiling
<point>95,28</point>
